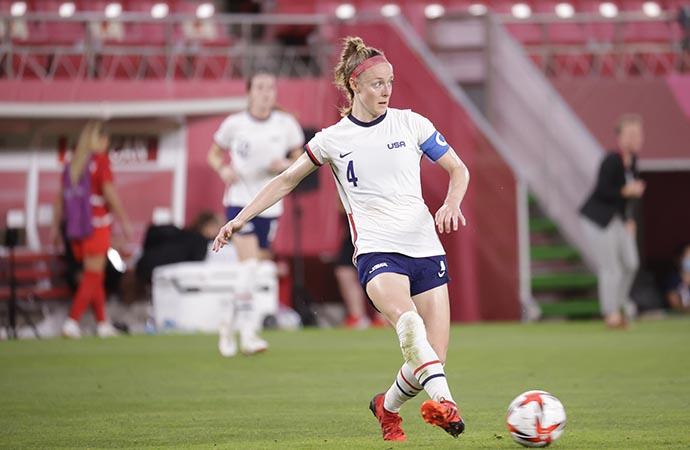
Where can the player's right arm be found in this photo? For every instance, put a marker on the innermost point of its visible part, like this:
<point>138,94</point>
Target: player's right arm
<point>115,205</point>
<point>216,159</point>
<point>274,190</point>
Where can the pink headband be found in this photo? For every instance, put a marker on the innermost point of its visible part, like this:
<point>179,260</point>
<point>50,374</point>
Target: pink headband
<point>367,63</point>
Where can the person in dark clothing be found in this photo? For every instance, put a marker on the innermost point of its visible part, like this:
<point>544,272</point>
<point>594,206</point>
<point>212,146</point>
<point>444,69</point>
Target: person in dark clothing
<point>168,244</point>
<point>678,283</point>
<point>608,221</point>
<point>683,20</point>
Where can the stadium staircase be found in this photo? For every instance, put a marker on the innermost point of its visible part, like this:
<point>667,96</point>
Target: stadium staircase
<point>552,152</point>
<point>504,64</point>
<point>561,283</point>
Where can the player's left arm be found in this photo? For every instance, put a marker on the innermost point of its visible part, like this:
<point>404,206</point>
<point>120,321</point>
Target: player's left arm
<point>449,214</point>
<point>277,188</point>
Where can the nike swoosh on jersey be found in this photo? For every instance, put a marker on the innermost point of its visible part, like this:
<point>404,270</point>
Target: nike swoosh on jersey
<point>440,274</point>
<point>342,155</point>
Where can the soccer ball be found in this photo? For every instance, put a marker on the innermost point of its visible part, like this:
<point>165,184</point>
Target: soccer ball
<point>535,419</point>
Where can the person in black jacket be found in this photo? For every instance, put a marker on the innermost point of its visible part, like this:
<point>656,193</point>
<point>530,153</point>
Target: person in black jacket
<point>608,221</point>
<point>168,244</point>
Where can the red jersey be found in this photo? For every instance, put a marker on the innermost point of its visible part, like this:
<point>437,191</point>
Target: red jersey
<point>99,167</point>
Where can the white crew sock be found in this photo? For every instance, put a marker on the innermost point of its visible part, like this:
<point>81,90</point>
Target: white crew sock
<point>227,315</point>
<point>404,388</point>
<point>246,319</point>
<point>421,357</point>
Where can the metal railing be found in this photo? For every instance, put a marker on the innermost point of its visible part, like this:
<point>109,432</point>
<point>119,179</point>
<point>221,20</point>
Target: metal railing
<point>135,46</point>
<point>628,46</point>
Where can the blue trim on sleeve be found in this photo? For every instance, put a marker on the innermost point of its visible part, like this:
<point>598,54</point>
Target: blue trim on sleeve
<point>435,147</point>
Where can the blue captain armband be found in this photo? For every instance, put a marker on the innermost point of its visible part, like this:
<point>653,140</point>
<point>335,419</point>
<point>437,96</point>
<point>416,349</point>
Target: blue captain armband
<point>435,147</point>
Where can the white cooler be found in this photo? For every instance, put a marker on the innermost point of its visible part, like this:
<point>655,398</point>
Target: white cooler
<point>189,296</point>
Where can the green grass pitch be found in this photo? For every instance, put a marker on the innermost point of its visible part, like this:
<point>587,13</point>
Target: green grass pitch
<point>621,390</point>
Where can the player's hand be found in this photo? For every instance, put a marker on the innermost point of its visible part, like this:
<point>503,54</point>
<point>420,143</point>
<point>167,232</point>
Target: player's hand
<point>279,165</point>
<point>225,233</point>
<point>448,219</point>
<point>127,230</point>
<point>634,189</point>
<point>227,174</point>
<point>631,226</point>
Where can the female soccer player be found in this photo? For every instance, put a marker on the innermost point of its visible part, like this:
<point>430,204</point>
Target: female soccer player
<point>262,142</point>
<point>89,169</point>
<point>374,152</point>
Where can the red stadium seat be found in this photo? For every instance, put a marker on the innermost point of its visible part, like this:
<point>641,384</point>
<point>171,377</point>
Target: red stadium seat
<point>656,31</point>
<point>202,32</point>
<point>527,33</point>
<point>566,33</point>
<point>501,6</point>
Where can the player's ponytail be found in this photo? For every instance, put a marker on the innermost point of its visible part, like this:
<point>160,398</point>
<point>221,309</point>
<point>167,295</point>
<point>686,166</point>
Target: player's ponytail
<point>85,146</point>
<point>354,52</point>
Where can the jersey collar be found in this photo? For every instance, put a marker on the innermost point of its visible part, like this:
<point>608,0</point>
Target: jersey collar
<point>367,124</point>
<point>257,119</point>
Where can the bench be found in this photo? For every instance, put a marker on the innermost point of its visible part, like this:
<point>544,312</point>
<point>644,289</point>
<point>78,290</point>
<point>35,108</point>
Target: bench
<point>38,276</point>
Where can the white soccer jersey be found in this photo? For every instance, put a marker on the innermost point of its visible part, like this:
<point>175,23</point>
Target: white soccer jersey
<point>376,166</point>
<point>253,144</point>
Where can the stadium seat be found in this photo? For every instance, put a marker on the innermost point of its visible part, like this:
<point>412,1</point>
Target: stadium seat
<point>527,33</point>
<point>653,32</point>
<point>566,33</point>
<point>201,49</point>
<point>39,277</point>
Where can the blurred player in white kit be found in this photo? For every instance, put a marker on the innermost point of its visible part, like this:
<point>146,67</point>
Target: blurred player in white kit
<point>261,142</point>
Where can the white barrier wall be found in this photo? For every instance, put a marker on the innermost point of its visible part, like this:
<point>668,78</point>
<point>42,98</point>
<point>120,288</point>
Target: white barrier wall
<point>192,296</point>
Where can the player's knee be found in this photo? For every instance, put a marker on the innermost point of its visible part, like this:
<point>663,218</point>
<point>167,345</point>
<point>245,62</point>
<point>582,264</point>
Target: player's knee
<point>410,329</point>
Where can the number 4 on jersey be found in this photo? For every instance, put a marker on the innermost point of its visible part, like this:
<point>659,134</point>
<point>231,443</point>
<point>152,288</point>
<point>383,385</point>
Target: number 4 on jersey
<point>351,177</point>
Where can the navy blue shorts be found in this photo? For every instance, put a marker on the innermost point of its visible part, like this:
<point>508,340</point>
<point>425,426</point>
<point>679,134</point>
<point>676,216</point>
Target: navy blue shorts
<point>424,273</point>
<point>263,227</point>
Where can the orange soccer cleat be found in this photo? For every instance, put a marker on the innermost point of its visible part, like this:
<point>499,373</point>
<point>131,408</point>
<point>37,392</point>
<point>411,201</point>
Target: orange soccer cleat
<point>443,414</point>
<point>390,422</point>
<point>356,323</point>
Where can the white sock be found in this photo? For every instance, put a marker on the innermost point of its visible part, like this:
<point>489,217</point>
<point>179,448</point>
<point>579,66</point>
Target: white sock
<point>227,314</point>
<point>246,319</point>
<point>421,357</point>
<point>404,388</point>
